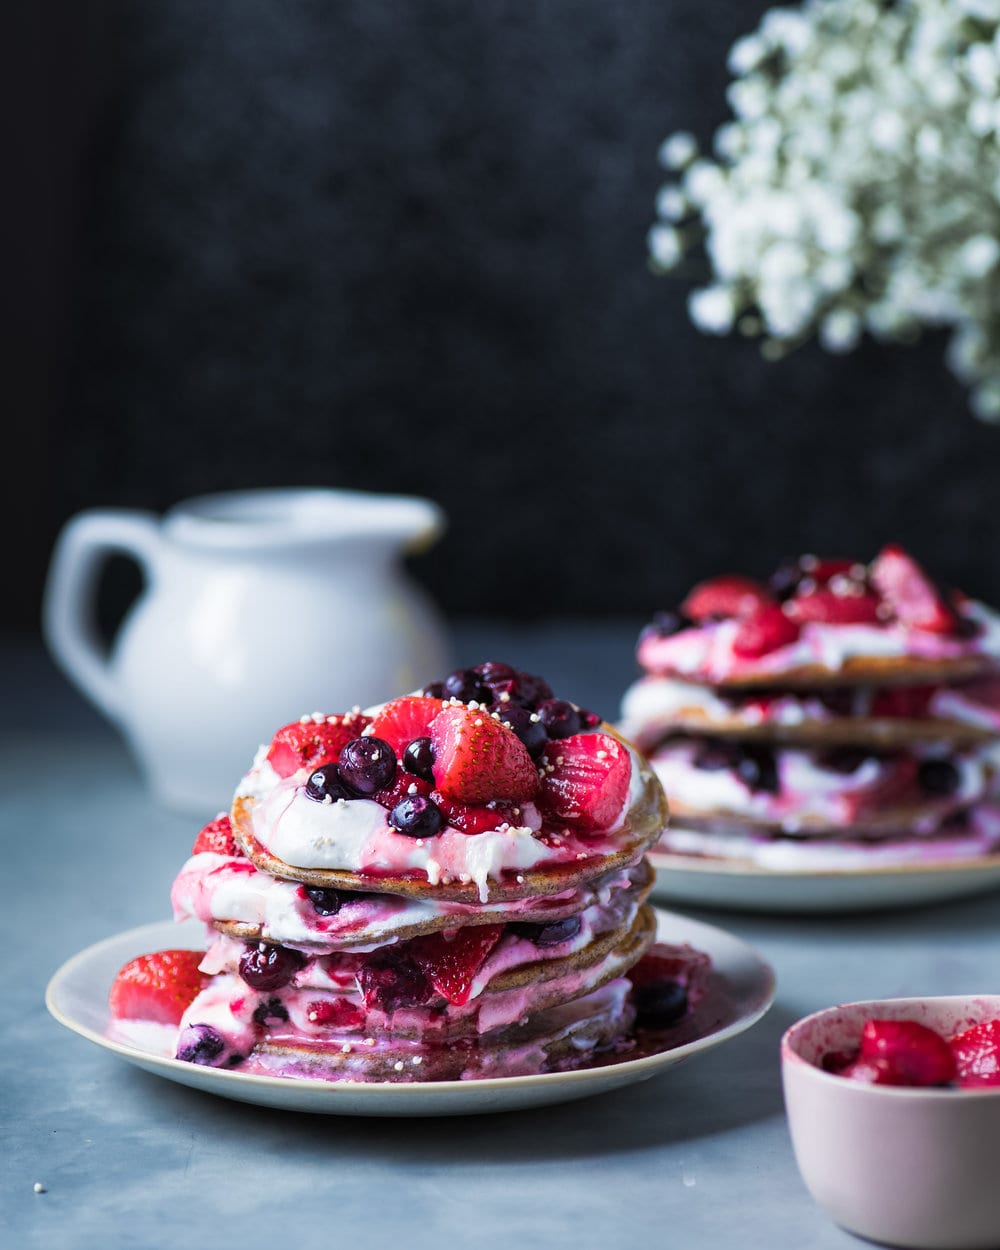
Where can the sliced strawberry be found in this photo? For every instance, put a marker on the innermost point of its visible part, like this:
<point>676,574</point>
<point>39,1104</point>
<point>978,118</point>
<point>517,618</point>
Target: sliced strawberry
<point>907,1053</point>
<point>308,743</point>
<point>905,702</point>
<point>585,781</point>
<point>402,720</point>
<point>404,786</point>
<point>822,570</point>
<point>829,608</point>
<point>472,819</point>
<point>477,758</point>
<point>725,596</point>
<point>911,595</point>
<point>335,1013</point>
<point>977,1054</point>
<point>217,837</point>
<point>765,630</point>
<point>158,987</point>
<point>450,960</point>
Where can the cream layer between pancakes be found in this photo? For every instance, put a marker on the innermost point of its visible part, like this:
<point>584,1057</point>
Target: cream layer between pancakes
<point>814,797</point>
<point>652,704</point>
<point>354,835</point>
<point>705,653</point>
<point>213,887</point>
<point>978,835</point>
<point>324,997</point>
<point>552,1040</point>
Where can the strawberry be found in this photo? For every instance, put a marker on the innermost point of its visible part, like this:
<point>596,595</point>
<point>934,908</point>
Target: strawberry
<point>402,720</point>
<point>334,1013</point>
<point>829,608</point>
<point>977,1054</point>
<point>725,596</point>
<point>585,781</point>
<point>217,837</point>
<point>904,1052</point>
<point>404,786</point>
<point>823,570</point>
<point>904,702</point>
<point>472,819</point>
<point>157,987</point>
<point>476,758</point>
<point>308,743</point>
<point>765,630</point>
<point>911,595</point>
<point>450,960</point>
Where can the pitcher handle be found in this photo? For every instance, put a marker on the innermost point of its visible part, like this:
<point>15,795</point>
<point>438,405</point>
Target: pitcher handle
<point>69,616</point>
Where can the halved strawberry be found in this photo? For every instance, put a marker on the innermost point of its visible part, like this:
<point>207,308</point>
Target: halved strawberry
<point>977,1054</point>
<point>904,702</point>
<point>476,758</point>
<point>821,570</point>
<point>763,631</point>
<point>913,598</point>
<point>450,960</point>
<point>335,1013</point>
<point>217,837</point>
<point>585,781</point>
<point>476,819</point>
<point>906,1053</point>
<point>402,720</point>
<point>828,608</point>
<point>158,987</point>
<point>307,743</point>
<point>725,596</point>
<point>404,786</point>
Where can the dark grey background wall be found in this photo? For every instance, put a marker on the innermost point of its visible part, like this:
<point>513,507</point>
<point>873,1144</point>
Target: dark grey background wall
<point>401,246</point>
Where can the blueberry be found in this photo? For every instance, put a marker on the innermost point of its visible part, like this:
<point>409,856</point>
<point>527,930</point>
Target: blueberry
<point>526,725</point>
<point>758,771</point>
<point>666,624</point>
<point>551,934</point>
<point>713,756</point>
<point>325,902</point>
<point>843,759</point>
<point>367,764</point>
<point>267,967</point>
<point>271,1012</point>
<point>391,978</point>
<point>659,1004</point>
<point>200,1043</point>
<point>417,817</point>
<point>464,684</point>
<point>939,776</point>
<point>325,783</point>
<point>561,719</point>
<point>530,689</point>
<point>497,678</point>
<point>434,690</point>
<point>784,581</point>
<point>418,759</point>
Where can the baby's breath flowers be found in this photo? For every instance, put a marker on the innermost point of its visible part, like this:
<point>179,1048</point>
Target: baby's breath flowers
<point>856,188</point>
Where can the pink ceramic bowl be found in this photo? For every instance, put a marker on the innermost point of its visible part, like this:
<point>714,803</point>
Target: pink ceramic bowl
<point>906,1167</point>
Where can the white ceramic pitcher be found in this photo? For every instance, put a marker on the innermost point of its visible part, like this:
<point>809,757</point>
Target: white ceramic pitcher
<point>259,606</point>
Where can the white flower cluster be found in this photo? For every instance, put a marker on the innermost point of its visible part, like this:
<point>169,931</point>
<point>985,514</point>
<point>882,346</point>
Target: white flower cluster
<point>857,187</point>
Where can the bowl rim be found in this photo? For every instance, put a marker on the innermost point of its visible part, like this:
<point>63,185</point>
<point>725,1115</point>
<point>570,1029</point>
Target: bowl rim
<point>792,1060</point>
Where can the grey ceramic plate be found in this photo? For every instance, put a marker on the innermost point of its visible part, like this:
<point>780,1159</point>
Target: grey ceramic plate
<point>743,989</point>
<point>743,886</point>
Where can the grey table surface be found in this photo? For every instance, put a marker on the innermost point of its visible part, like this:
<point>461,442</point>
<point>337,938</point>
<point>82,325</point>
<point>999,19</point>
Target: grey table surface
<point>697,1157</point>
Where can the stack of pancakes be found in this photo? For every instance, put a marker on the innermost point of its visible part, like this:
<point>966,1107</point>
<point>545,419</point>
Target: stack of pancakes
<point>839,717</point>
<point>341,948</point>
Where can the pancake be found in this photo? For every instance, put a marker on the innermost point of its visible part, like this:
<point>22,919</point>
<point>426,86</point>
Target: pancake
<point>581,858</point>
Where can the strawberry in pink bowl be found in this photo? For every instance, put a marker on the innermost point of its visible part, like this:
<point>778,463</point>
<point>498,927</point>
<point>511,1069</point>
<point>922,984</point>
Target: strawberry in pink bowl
<point>894,1111</point>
